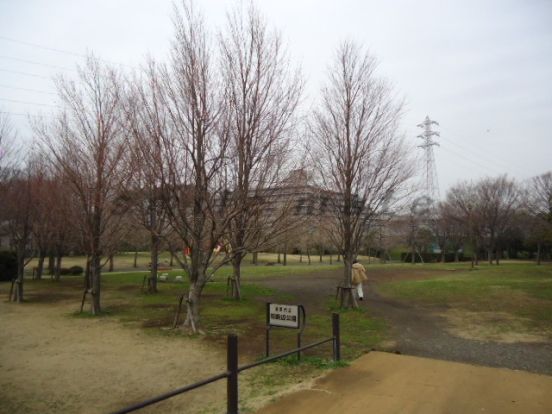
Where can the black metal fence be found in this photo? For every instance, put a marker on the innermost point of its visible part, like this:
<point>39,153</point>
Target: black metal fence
<point>232,371</point>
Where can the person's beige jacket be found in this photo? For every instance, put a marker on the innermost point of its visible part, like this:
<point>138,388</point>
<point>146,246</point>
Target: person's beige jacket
<point>359,274</point>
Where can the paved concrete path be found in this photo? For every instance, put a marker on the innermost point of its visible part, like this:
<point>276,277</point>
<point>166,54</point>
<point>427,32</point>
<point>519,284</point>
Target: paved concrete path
<point>383,383</point>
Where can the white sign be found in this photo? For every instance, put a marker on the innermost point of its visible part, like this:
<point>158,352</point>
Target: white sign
<point>283,315</point>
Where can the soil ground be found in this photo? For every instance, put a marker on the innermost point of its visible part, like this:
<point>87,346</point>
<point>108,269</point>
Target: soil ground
<point>56,363</point>
<point>386,383</point>
<point>53,361</point>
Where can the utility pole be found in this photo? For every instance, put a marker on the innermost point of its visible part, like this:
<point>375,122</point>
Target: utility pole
<point>431,183</point>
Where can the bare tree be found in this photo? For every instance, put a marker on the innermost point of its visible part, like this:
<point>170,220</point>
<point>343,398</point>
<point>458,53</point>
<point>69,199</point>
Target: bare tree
<point>499,200</point>
<point>486,209</point>
<point>358,153</point>
<point>42,223</point>
<point>195,156</point>
<point>419,220</point>
<point>449,232</point>
<point>463,205</point>
<point>261,96</point>
<point>148,122</point>
<point>87,145</point>
<point>539,206</point>
<point>18,213</point>
<point>16,201</point>
<point>8,150</point>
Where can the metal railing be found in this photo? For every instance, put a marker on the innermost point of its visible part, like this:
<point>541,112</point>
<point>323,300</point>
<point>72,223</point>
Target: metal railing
<point>232,371</point>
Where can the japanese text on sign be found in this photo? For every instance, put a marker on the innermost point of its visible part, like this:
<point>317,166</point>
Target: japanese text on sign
<point>284,315</point>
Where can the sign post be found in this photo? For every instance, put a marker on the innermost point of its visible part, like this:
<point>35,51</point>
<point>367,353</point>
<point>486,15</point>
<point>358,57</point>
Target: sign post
<point>285,316</point>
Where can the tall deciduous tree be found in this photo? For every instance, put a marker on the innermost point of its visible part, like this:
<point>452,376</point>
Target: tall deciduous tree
<point>358,152</point>
<point>261,96</point>
<point>539,206</point>
<point>148,122</point>
<point>195,154</point>
<point>8,153</point>
<point>463,206</point>
<point>499,200</point>
<point>87,144</point>
<point>17,212</point>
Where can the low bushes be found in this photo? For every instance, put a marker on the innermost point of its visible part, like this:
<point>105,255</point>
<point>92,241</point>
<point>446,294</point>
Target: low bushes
<point>432,257</point>
<point>8,266</point>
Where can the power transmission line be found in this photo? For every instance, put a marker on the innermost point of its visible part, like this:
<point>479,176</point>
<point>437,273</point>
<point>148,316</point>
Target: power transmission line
<point>32,62</point>
<point>28,103</point>
<point>27,89</point>
<point>20,114</point>
<point>486,168</point>
<point>497,163</point>
<point>25,73</point>
<point>53,49</point>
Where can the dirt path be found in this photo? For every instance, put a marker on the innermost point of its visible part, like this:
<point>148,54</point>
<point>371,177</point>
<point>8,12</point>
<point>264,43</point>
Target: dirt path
<point>55,363</point>
<point>416,330</point>
<point>385,383</point>
<point>423,332</point>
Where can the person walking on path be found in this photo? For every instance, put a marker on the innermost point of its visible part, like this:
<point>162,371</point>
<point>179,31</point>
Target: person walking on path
<point>359,276</point>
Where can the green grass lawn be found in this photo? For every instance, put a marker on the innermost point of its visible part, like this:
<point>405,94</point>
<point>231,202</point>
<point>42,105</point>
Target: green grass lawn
<point>124,300</point>
<point>521,289</point>
<point>124,261</point>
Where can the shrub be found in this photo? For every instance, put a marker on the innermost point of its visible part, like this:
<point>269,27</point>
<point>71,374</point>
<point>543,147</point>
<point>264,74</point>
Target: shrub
<point>76,270</point>
<point>8,266</point>
<point>432,257</point>
<point>64,271</point>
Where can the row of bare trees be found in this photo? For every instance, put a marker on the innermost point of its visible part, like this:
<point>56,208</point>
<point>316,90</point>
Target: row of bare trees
<point>190,150</point>
<point>196,151</point>
<point>487,216</point>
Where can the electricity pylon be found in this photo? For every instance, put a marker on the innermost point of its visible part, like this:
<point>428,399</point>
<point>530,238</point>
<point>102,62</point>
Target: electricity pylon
<point>431,183</point>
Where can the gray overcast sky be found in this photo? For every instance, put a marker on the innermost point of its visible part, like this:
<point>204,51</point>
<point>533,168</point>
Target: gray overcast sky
<point>483,69</point>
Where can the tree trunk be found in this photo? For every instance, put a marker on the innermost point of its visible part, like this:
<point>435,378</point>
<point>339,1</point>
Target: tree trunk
<point>110,263</point>
<point>57,274</point>
<point>349,299</point>
<point>20,275</point>
<point>301,257</point>
<point>87,283</point>
<point>172,258</point>
<point>236,268</point>
<point>192,307</point>
<point>51,263</point>
<point>279,261</point>
<point>338,257</point>
<point>135,265</point>
<point>539,253</point>
<point>285,257</point>
<point>308,256</point>
<point>321,253</point>
<point>331,259</point>
<point>497,258</point>
<point>154,260</point>
<point>95,282</point>
<point>40,267</point>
